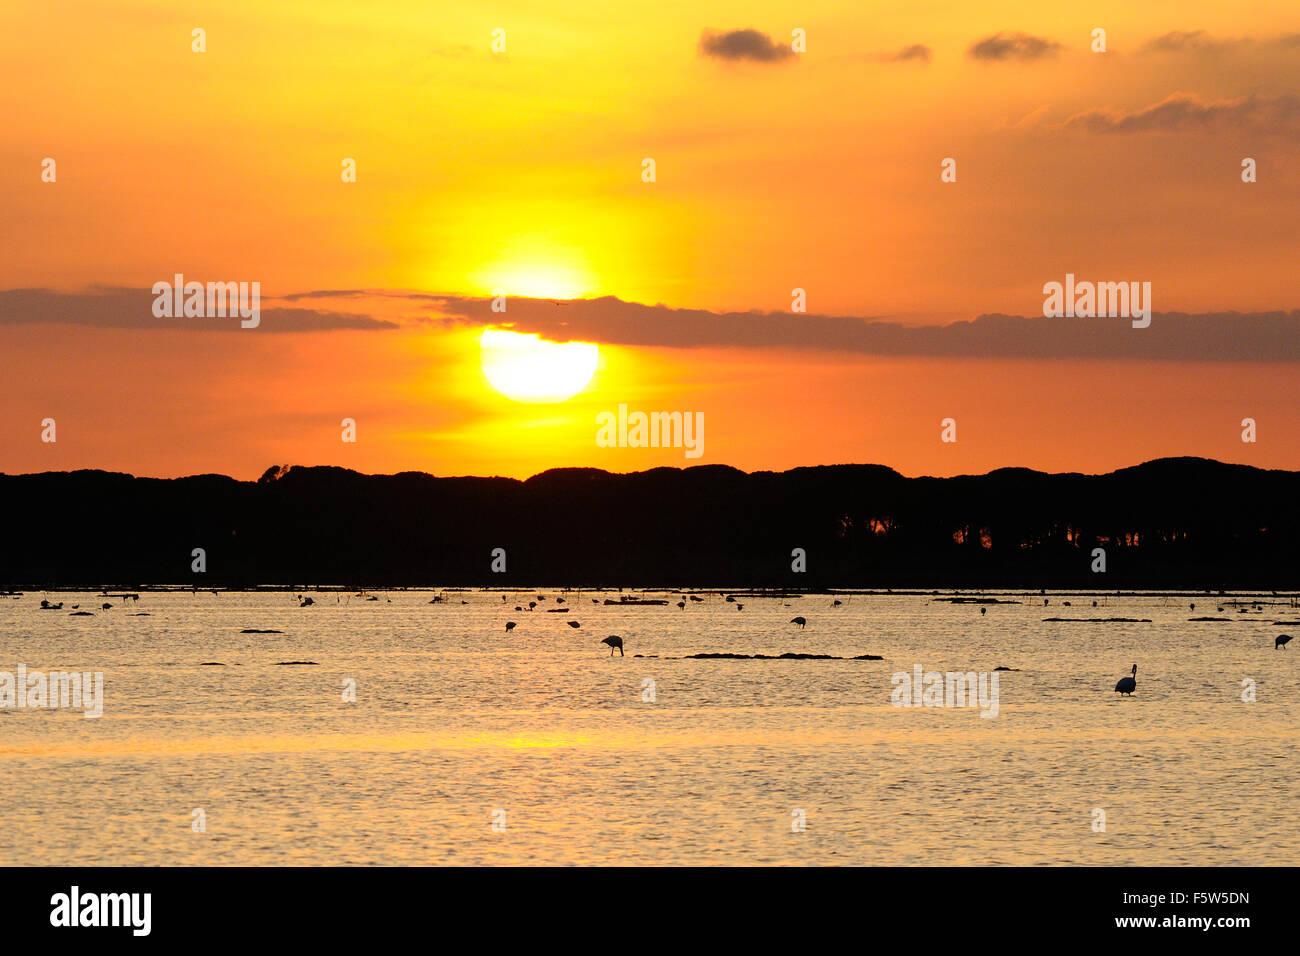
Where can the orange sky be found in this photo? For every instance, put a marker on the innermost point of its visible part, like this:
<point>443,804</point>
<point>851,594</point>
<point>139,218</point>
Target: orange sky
<point>521,171</point>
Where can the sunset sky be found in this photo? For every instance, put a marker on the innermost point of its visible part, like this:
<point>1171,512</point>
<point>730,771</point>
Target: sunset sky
<point>521,171</point>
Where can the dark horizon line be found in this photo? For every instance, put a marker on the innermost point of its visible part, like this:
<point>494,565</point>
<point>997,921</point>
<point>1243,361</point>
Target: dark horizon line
<point>1175,523</point>
<point>740,590</point>
<point>281,470</point>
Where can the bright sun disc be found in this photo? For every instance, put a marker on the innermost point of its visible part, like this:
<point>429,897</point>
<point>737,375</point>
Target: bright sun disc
<point>524,368</point>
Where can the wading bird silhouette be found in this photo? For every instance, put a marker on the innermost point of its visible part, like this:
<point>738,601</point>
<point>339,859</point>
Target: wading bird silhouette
<point>1282,641</point>
<point>510,626</point>
<point>614,641</point>
<point>800,621</point>
<point>1127,685</point>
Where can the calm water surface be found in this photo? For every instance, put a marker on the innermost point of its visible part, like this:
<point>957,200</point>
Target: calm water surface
<point>455,719</point>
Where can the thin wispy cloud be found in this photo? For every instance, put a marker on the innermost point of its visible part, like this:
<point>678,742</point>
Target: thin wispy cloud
<point>1179,41</point>
<point>916,53</point>
<point>1182,111</point>
<point>1010,45</point>
<point>125,308</point>
<point>740,45</point>
<point>1206,337</point>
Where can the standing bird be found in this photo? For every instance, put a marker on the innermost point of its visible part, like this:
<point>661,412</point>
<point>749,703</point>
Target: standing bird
<point>1127,685</point>
<point>1282,641</point>
<point>573,624</point>
<point>614,641</point>
<point>682,605</point>
<point>983,611</point>
<point>800,621</point>
<point>510,626</point>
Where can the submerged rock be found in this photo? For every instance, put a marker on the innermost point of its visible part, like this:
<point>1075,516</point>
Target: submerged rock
<point>1096,620</point>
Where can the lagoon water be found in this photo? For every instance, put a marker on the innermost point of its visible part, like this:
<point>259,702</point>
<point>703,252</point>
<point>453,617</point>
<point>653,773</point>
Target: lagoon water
<point>457,723</point>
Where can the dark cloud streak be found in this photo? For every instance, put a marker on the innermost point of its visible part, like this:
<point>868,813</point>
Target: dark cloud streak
<point>1228,336</point>
<point>1009,45</point>
<point>1205,337</point>
<point>1180,41</point>
<point>1182,111</point>
<point>917,51</point>
<point>743,45</point>
<point>121,308</point>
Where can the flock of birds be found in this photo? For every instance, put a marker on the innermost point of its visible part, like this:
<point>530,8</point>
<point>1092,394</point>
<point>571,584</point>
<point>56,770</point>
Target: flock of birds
<point>76,608</point>
<point>614,641</point>
<point>1125,686</point>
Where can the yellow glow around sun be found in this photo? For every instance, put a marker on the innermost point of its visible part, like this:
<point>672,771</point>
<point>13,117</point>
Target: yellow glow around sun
<point>544,282</point>
<point>535,266</point>
<point>526,369</point>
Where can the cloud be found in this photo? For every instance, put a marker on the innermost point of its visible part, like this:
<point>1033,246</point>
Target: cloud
<point>1224,336</point>
<point>1178,41</point>
<point>123,308</point>
<point>1183,111</point>
<point>1008,45</point>
<point>743,45</point>
<point>1181,40</point>
<point>917,51</point>
<point>1205,337</point>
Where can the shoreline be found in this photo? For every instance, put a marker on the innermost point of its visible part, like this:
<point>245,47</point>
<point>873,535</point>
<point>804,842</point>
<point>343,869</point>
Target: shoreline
<point>964,594</point>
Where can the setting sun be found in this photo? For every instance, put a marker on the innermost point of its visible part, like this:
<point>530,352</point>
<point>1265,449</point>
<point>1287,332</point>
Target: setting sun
<point>526,369</point>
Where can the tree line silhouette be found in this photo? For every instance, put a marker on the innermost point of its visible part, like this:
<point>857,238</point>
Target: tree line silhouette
<point>1181,523</point>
